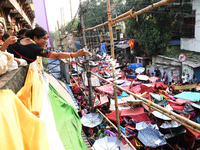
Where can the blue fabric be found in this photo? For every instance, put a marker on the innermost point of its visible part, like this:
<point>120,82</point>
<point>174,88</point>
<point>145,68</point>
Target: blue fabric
<point>134,65</point>
<point>78,45</point>
<point>124,94</point>
<point>103,49</point>
<point>151,136</point>
<point>191,96</point>
<point>131,76</point>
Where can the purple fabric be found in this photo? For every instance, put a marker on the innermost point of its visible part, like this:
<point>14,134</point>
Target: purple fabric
<point>126,83</point>
<point>112,134</point>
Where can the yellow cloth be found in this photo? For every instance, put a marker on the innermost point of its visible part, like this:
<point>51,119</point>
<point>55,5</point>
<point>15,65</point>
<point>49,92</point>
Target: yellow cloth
<point>31,94</point>
<point>19,128</point>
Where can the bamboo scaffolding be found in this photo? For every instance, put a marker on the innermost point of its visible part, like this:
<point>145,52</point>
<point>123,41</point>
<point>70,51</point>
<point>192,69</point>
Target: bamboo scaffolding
<point>123,136</point>
<point>186,122</point>
<point>131,13</point>
<point>113,65</point>
<point>74,43</point>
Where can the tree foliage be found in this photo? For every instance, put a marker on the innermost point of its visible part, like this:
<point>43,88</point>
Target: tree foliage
<point>154,28</point>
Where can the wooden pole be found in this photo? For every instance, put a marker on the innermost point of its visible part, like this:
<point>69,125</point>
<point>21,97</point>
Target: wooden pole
<point>59,35</point>
<point>131,13</point>
<point>186,122</point>
<point>56,37</point>
<point>113,65</point>
<point>124,137</point>
<point>74,43</point>
<point>66,44</point>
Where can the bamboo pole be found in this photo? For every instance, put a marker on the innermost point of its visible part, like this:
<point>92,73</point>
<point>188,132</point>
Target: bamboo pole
<point>74,43</point>
<point>186,122</point>
<point>66,44</point>
<point>113,67</point>
<point>59,35</point>
<point>56,37</point>
<point>124,137</point>
<point>130,14</point>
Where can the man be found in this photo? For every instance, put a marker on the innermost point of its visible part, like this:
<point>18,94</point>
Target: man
<point>101,133</point>
<point>184,78</point>
<point>194,79</point>
<point>157,72</point>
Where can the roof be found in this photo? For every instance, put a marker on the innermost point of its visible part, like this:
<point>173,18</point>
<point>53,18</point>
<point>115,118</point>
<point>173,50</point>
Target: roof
<point>193,64</point>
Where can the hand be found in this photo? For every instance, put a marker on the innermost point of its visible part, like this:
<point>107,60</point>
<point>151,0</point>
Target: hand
<point>11,40</point>
<point>82,52</point>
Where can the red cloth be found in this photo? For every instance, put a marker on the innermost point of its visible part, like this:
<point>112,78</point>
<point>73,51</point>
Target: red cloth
<point>112,116</point>
<point>147,89</point>
<point>182,101</point>
<point>141,117</point>
<point>179,108</point>
<point>190,137</point>
<point>135,89</point>
<point>130,112</point>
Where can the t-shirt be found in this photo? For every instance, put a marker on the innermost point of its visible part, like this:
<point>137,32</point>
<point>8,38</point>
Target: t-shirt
<point>28,52</point>
<point>184,78</point>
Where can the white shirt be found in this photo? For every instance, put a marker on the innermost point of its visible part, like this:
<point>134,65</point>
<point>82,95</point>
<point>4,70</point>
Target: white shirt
<point>184,78</point>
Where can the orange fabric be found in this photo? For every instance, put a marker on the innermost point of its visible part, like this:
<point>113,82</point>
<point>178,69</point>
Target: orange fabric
<point>31,93</point>
<point>19,128</point>
<point>131,42</point>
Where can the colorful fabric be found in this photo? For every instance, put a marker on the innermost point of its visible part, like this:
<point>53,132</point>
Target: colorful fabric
<point>19,128</point>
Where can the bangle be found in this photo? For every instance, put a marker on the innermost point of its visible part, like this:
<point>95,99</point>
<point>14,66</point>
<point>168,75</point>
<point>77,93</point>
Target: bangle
<point>70,55</point>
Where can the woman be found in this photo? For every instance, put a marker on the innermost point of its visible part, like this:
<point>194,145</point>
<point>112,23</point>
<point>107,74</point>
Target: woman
<point>35,45</point>
<point>8,41</point>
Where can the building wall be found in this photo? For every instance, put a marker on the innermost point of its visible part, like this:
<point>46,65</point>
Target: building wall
<point>41,16</point>
<point>193,44</point>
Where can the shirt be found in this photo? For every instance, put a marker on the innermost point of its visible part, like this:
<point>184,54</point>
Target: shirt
<point>28,52</point>
<point>184,78</point>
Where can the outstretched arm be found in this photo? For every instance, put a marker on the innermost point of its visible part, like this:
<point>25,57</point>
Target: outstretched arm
<point>69,55</point>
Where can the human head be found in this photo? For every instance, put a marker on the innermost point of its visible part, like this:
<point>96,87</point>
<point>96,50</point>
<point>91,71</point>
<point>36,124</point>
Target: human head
<point>102,128</point>
<point>10,30</point>
<point>2,29</point>
<point>39,35</point>
<point>22,32</point>
<point>194,76</point>
<point>183,73</point>
<point>5,36</point>
<point>15,33</point>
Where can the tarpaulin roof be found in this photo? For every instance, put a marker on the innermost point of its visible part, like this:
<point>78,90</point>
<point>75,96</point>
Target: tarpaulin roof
<point>106,89</point>
<point>182,101</point>
<point>191,96</point>
<point>112,116</point>
<point>130,112</point>
<point>145,88</point>
<point>150,136</point>
<point>135,89</point>
<point>141,117</point>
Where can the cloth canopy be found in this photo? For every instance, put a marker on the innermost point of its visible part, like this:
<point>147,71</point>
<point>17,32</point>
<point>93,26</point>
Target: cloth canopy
<point>132,112</point>
<point>153,79</point>
<point>106,89</point>
<point>135,89</point>
<point>112,116</point>
<point>182,101</point>
<point>191,96</point>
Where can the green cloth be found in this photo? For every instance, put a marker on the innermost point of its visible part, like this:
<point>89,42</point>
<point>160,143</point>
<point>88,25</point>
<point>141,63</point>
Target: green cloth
<point>68,123</point>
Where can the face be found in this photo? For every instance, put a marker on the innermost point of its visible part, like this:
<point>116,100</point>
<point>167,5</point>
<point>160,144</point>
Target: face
<point>41,41</point>
<point>1,30</point>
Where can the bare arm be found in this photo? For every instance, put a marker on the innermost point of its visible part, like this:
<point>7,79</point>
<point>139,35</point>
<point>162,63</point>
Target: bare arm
<point>67,55</point>
<point>10,40</point>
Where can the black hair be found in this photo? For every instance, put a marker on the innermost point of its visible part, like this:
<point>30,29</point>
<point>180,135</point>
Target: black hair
<point>22,31</point>
<point>2,24</point>
<point>38,32</point>
<point>5,36</point>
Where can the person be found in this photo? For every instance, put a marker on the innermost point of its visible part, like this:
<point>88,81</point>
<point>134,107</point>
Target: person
<point>184,78</point>
<point>8,41</point>
<point>22,33</point>
<point>101,132</point>
<point>34,44</point>
<point>104,123</point>
<point>5,36</point>
<point>194,79</point>
<point>157,72</point>
<point>15,33</point>
<point>164,75</point>
<point>148,73</point>
<point>10,30</point>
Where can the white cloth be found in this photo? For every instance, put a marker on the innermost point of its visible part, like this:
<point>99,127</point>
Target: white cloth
<point>184,78</point>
